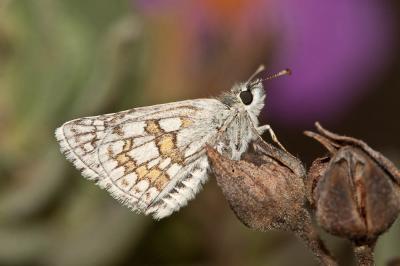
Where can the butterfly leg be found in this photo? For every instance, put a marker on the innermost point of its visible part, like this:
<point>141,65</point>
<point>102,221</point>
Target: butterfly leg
<point>263,128</point>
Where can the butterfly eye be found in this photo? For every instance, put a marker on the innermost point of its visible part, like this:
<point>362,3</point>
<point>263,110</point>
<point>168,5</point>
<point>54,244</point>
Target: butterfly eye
<point>246,97</point>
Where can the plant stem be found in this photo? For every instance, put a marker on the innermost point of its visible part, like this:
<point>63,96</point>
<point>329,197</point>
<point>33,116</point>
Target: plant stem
<point>310,236</point>
<point>364,254</point>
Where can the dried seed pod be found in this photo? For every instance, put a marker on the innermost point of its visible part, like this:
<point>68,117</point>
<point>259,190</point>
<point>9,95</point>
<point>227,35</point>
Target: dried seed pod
<point>266,191</point>
<point>355,190</point>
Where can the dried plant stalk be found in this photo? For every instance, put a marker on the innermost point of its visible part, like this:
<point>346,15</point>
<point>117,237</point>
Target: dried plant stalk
<point>364,255</point>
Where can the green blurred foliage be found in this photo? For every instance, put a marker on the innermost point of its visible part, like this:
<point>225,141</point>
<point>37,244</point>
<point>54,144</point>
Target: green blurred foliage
<point>64,59</point>
<point>59,60</point>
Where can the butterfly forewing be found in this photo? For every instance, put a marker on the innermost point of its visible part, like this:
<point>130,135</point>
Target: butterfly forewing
<point>151,159</point>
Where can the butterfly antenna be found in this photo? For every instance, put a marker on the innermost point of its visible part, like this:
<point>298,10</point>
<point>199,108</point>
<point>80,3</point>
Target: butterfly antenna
<point>281,73</point>
<point>260,69</point>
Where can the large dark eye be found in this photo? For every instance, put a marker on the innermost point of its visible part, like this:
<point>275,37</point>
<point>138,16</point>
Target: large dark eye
<point>246,97</point>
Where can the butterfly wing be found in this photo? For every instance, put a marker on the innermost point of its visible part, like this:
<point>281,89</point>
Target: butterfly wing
<point>152,158</point>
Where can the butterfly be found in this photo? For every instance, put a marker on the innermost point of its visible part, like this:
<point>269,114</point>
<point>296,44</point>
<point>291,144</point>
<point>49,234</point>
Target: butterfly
<point>153,159</point>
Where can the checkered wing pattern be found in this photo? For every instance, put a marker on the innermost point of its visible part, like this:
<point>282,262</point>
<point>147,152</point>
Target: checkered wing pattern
<point>151,159</point>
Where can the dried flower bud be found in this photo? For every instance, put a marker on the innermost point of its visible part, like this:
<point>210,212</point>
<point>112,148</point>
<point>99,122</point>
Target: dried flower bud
<point>266,191</point>
<point>263,192</point>
<point>355,190</point>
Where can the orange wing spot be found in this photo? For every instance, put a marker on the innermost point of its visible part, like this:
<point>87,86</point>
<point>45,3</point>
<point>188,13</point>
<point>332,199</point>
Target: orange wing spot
<point>130,167</point>
<point>166,144</point>
<point>161,182</point>
<point>128,145</point>
<point>158,179</point>
<point>122,159</point>
<point>176,157</point>
<point>167,147</point>
<point>141,171</point>
<point>186,122</point>
<point>153,174</point>
<point>153,128</point>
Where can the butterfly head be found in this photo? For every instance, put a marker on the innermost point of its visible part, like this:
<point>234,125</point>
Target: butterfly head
<point>249,96</point>
<point>246,97</point>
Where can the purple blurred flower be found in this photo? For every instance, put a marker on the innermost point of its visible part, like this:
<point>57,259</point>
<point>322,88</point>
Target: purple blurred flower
<point>334,47</point>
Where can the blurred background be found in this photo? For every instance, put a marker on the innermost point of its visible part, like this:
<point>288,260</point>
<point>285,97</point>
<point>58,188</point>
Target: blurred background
<point>60,60</point>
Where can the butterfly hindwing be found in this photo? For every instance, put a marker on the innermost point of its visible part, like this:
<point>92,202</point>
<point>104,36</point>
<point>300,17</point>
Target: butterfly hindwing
<point>151,158</point>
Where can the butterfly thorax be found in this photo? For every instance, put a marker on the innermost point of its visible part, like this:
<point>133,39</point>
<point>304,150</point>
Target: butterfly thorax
<point>244,102</point>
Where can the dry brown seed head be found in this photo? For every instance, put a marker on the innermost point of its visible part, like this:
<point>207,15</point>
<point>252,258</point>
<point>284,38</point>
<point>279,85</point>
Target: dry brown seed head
<point>263,191</point>
<point>355,190</point>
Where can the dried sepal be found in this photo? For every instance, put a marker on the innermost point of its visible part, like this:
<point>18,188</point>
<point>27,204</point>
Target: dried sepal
<point>338,141</point>
<point>315,172</point>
